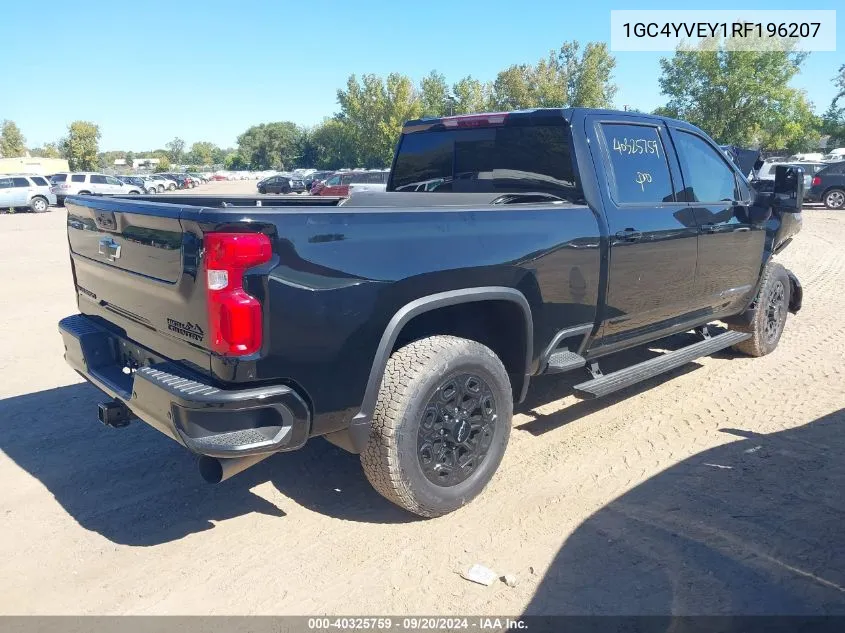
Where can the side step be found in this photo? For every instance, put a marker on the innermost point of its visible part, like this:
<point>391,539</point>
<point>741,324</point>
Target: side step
<point>609,383</point>
<point>564,360</point>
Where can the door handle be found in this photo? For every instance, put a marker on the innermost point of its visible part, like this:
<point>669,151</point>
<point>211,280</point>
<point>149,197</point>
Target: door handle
<point>628,235</point>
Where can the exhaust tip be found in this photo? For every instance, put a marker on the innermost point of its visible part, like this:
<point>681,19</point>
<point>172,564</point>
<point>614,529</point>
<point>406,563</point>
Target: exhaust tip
<point>211,470</point>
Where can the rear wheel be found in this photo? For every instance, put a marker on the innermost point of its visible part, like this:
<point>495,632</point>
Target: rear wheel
<point>160,188</point>
<point>835,199</point>
<point>771,308</point>
<point>441,425</point>
<point>152,190</point>
<point>39,204</point>
<point>171,187</point>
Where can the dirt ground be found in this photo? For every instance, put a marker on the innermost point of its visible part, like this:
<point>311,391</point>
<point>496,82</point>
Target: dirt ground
<point>714,489</point>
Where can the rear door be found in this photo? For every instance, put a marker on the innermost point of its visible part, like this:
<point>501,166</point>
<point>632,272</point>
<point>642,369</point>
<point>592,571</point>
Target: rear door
<point>653,236</point>
<point>98,184</point>
<point>730,248</point>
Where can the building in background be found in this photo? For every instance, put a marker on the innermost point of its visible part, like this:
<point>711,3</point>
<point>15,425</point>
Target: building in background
<point>33,165</point>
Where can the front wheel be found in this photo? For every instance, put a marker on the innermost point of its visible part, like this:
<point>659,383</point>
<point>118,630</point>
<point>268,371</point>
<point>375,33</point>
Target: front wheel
<point>152,190</point>
<point>161,188</point>
<point>171,187</point>
<point>772,306</point>
<point>835,199</point>
<point>441,425</point>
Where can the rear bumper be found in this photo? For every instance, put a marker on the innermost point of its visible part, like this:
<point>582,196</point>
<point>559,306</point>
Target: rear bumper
<point>206,419</point>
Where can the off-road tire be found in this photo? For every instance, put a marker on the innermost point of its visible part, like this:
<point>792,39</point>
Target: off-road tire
<point>413,376</point>
<point>762,342</point>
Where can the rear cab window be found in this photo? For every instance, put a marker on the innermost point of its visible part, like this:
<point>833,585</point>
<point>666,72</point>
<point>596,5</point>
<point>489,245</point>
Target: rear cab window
<point>517,156</point>
<point>38,181</point>
<point>639,169</point>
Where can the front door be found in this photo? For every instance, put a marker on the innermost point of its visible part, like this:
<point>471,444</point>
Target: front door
<point>653,235</point>
<point>731,244</point>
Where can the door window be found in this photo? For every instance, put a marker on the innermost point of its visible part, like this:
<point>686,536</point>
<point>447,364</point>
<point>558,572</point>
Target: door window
<point>5,183</point>
<point>333,182</point>
<point>639,172</point>
<point>78,178</point>
<point>707,176</point>
<point>98,179</point>
<point>20,182</point>
<point>112,181</point>
<point>39,181</point>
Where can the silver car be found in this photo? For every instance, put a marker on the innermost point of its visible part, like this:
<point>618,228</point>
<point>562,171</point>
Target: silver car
<point>72,184</point>
<point>25,190</point>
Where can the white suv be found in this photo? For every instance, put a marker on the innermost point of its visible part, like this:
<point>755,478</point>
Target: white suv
<point>72,184</point>
<point>25,190</point>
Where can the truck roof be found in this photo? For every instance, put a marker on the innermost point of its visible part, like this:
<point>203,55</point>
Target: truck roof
<point>547,115</point>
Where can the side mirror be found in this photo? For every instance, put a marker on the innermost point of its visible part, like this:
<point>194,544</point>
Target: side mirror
<point>789,188</point>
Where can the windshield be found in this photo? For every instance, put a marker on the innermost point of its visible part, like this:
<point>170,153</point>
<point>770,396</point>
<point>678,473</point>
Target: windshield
<point>496,159</point>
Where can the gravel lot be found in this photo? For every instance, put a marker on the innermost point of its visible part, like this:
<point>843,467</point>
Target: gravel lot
<point>715,489</point>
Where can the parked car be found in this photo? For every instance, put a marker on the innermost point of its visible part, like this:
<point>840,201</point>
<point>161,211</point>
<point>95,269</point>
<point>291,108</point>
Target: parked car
<point>835,155</point>
<point>136,181</point>
<point>404,326</point>
<point>316,176</point>
<point>281,184</point>
<point>81,183</point>
<point>198,178</point>
<point>219,177</point>
<point>373,181</point>
<point>25,190</point>
<point>163,182</point>
<point>338,184</point>
<point>828,186</point>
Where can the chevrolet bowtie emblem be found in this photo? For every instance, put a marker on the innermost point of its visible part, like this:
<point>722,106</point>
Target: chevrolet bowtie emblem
<point>109,248</point>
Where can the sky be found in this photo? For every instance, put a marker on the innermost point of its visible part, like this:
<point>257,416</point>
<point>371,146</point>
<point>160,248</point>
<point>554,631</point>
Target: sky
<point>206,71</point>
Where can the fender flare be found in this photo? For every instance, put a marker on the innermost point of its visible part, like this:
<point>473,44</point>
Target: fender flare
<point>359,427</point>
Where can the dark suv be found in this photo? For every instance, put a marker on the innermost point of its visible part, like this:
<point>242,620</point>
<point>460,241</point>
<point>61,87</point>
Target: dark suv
<point>829,186</point>
<point>281,184</point>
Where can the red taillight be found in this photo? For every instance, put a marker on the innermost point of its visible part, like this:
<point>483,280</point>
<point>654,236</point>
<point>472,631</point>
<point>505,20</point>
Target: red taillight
<point>234,317</point>
<point>816,181</point>
<point>475,120</point>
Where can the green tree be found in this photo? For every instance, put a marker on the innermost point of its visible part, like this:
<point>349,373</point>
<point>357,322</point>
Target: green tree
<point>471,95</point>
<point>833,120</point>
<point>374,110</point>
<point>434,95</point>
<point>270,145</point>
<point>175,150</point>
<point>48,150</point>
<point>333,143</point>
<point>80,145</point>
<point>202,153</point>
<point>12,141</point>
<point>569,76</point>
<point>588,74</point>
<point>739,96</point>
<point>130,159</point>
<point>218,155</point>
<point>163,164</point>
<point>235,162</point>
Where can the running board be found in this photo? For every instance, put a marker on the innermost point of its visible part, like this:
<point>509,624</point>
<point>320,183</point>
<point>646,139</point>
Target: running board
<point>609,383</point>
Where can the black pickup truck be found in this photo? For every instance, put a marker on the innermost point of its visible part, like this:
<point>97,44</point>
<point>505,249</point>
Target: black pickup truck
<point>404,325</point>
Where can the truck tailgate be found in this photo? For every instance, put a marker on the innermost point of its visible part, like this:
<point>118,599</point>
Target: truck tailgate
<point>135,267</point>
